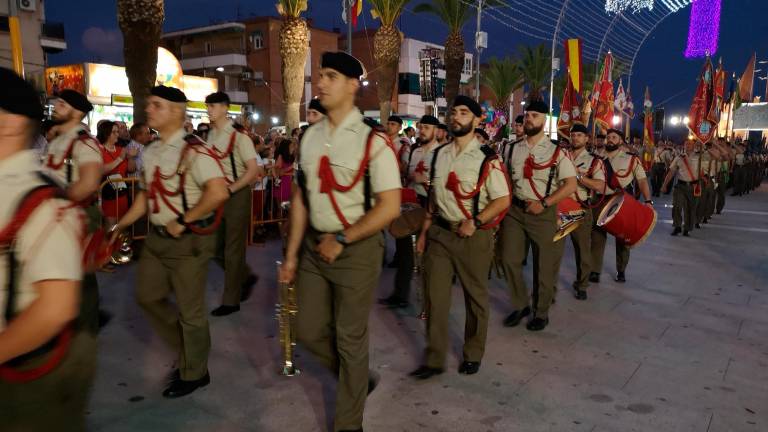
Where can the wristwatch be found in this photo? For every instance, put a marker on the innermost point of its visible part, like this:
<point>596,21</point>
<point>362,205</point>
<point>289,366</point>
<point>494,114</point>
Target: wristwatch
<point>478,223</point>
<point>180,221</point>
<point>341,238</point>
<point>649,202</point>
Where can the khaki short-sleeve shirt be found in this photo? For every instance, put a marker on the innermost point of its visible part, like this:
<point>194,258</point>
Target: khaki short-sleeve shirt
<point>466,165</point>
<point>243,150</point>
<point>164,155</point>
<point>682,169</point>
<point>48,246</point>
<point>542,153</point>
<point>622,163</point>
<point>84,151</point>
<point>345,147</point>
<point>583,163</point>
<point>421,161</point>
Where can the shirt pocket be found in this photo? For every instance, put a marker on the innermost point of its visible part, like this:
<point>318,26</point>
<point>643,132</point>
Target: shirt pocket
<point>344,168</point>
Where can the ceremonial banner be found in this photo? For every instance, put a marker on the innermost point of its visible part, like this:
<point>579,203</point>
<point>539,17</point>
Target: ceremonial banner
<point>570,112</point>
<point>629,109</point>
<point>620,103</point>
<point>698,122</point>
<point>602,99</point>
<point>357,9</point>
<point>747,81</point>
<point>718,92</point>
<point>573,62</point>
<point>649,143</point>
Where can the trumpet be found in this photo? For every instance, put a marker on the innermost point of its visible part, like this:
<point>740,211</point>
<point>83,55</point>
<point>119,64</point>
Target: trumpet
<point>123,253</point>
<point>286,319</point>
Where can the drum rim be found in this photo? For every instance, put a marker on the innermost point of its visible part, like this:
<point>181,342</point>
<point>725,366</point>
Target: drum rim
<point>647,233</point>
<point>602,218</point>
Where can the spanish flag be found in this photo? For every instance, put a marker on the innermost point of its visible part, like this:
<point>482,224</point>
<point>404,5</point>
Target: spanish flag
<point>357,9</point>
<point>573,62</point>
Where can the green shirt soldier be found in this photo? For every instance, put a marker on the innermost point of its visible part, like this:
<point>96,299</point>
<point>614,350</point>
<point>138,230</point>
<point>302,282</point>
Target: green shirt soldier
<point>469,195</point>
<point>235,151</point>
<point>40,281</point>
<point>590,178</point>
<point>348,192</point>
<point>542,175</point>
<point>183,187</point>
<point>626,169</point>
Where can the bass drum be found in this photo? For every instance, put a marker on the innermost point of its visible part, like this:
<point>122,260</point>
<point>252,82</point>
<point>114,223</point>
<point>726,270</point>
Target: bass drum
<point>627,219</point>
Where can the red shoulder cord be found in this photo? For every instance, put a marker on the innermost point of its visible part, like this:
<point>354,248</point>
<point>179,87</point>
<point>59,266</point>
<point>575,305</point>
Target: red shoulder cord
<point>453,185</point>
<point>67,154</point>
<point>328,182</point>
<point>590,172</point>
<point>630,169</point>
<point>530,166</point>
<point>156,188</point>
<point>64,338</point>
<point>218,155</point>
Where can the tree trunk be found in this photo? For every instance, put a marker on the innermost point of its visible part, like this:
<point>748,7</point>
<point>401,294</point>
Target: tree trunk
<point>294,43</point>
<point>141,22</point>
<point>454,63</point>
<point>386,53</point>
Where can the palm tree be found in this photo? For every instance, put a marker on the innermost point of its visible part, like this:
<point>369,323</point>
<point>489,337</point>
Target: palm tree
<point>502,78</point>
<point>386,50</point>
<point>294,43</point>
<point>141,22</point>
<point>536,66</point>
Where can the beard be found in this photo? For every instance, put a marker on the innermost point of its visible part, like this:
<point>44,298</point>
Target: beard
<point>460,130</point>
<point>426,138</point>
<point>611,147</point>
<point>531,130</point>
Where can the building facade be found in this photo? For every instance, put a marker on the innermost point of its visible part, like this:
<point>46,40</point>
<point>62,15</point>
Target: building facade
<point>38,36</point>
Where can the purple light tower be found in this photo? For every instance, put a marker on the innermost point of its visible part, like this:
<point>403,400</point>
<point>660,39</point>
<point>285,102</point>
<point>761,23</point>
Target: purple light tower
<point>704,28</point>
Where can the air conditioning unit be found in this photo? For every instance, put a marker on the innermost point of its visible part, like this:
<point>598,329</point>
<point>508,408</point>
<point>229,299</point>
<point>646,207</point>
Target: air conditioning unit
<point>28,5</point>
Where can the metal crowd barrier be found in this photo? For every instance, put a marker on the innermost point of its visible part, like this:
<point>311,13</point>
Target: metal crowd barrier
<point>267,207</point>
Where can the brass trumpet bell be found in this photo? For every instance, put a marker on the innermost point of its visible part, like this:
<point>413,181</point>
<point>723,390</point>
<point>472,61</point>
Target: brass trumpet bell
<point>567,223</point>
<point>124,253</point>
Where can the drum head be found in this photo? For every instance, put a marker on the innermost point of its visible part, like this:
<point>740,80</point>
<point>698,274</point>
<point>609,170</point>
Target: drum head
<point>610,210</point>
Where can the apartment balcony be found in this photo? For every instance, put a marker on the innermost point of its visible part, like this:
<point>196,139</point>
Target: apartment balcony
<point>213,61</point>
<point>52,37</point>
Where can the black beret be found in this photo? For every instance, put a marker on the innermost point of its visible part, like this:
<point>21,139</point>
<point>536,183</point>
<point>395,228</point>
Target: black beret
<point>615,131</point>
<point>469,103</point>
<point>344,63</point>
<point>442,126</point>
<point>76,99</point>
<point>520,119</point>
<point>218,97</point>
<point>600,135</point>
<point>482,133</point>
<point>396,119</point>
<point>429,120</point>
<point>171,94</point>
<point>537,106</point>
<point>18,96</point>
<point>314,104</point>
<point>578,127</point>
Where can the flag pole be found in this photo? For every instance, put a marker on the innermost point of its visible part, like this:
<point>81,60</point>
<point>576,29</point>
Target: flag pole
<point>349,26</point>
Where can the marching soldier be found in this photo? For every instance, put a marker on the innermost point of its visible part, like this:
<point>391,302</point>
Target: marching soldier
<point>542,175</point>
<point>401,144</point>
<point>519,137</point>
<point>590,178</point>
<point>709,160</point>
<point>723,173</point>
<point>74,159</point>
<point>599,147</point>
<point>315,111</point>
<point>237,157</point>
<point>625,169</point>
<point>739,171</point>
<point>183,187</point>
<point>417,177</point>
<point>40,273</point>
<point>349,190</point>
<point>658,170</point>
<point>469,196</point>
<point>442,134</point>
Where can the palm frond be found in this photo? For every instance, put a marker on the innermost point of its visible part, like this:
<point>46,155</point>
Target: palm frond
<point>388,10</point>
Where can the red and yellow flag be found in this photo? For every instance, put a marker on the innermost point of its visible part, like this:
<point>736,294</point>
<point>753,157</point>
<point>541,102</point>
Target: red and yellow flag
<point>573,62</point>
<point>357,9</point>
<point>603,96</point>
<point>570,111</point>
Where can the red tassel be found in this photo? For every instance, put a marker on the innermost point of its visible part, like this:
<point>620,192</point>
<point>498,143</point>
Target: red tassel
<point>528,168</point>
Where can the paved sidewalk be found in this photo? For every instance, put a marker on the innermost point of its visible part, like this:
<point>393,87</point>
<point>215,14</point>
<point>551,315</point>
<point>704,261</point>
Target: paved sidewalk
<point>682,346</point>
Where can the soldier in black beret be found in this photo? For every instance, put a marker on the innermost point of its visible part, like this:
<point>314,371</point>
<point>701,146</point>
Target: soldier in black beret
<point>315,111</point>
<point>42,296</point>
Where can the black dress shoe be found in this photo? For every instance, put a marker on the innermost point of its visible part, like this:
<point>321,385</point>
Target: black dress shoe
<point>580,294</point>
<point>247,290</point>
<point>676,231</point>
<point>537,324</point>
<point>515,317</point>
<point>469,368</point>
<point>181,388</point>
<point>620,277</point>
<point>686,233</point>
<point>373,381</point>
<point>594,277</point>
<point>698,226</point>
<point>425,372</point>
<point>225,310</point>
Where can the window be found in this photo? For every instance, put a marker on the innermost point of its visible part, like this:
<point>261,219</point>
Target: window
<point>208,47</point>
<point>408,83</point>
<point>257,39</point>
<point>467,65</point>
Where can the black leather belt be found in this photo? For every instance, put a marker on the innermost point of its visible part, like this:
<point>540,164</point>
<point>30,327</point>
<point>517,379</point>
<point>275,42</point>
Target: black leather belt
<point>687,183</point>
<point>202,223</point>
<point>446,224</point>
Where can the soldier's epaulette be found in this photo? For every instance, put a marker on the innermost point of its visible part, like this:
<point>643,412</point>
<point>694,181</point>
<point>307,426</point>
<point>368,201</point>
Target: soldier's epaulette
<point>194,140</point>
<point>373,124</point>
<point>488,151</point>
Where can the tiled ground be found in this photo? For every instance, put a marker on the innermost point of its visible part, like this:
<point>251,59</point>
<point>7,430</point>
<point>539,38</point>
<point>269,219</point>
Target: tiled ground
<point>682,346</point>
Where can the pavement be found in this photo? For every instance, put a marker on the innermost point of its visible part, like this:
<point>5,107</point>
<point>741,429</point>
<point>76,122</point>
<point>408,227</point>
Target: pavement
<point>682,346</point>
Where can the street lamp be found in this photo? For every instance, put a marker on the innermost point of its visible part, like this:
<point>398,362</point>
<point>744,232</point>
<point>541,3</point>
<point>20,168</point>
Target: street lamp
<point>616,120</point>
<point>220,69</point>
<point>275,120</point>
<point>675,120</point>
<point>255,116</point>
<point>686,120</point>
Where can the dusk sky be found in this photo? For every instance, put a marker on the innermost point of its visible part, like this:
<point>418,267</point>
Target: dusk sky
<point>660,63</point>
